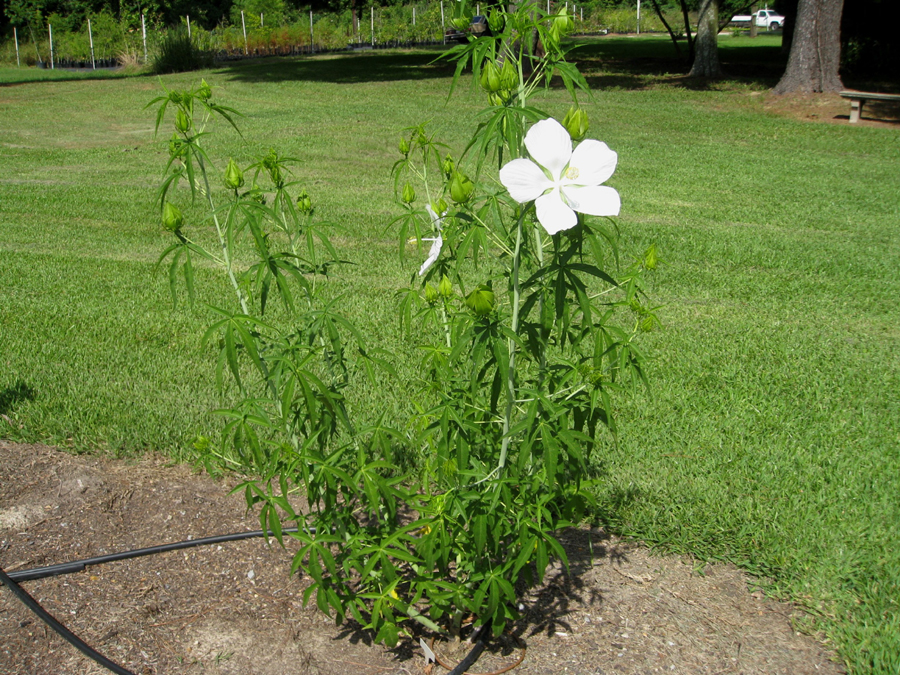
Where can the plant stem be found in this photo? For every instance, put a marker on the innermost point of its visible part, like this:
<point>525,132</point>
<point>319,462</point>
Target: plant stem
<point>511,345</point>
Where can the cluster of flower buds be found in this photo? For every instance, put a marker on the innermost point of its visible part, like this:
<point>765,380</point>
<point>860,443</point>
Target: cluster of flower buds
<point>444,290</point>
<point>204,91</point>
<point>272,164</point>
<point>500,83</point>
<point>304,203</point>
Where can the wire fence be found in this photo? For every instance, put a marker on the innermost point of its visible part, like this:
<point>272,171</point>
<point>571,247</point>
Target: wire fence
<point>105,41</point>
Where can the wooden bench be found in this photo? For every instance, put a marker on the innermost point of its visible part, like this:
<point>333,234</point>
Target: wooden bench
<point>859,98</point>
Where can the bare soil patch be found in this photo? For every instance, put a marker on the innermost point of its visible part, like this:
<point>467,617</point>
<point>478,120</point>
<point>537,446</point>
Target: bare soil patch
<point>235,609</point>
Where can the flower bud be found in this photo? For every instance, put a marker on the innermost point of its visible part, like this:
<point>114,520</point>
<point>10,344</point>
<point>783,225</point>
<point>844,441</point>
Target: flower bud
<point>175,97</point>
<point>440,207</point>
<point>448,166</point>
<point>509,77</point>
<point>172,217</point>
<point>461,188</point>
<point>404,146</point>
<point>445,288</point>
<point>490,77</point>
<point>576,123</point>
<point>409,194</point>
<point>481,301</point>
<point>182,121</point>
<point>561,23</point>
<point>204,93</point>
<point>176,146</point>
<point>234,177</point>
<point>497,21</point>
<point>304,203</point>
<point>431,294</point>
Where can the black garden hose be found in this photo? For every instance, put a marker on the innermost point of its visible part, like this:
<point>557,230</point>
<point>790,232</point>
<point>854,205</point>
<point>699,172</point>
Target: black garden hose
<point>11,581</point>
<point>79,565</point>
<point>64,632</point>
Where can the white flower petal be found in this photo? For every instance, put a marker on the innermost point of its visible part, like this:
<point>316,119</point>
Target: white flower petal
<point>594,200</point>
<point>550,145</point>
<point>553,214</point>
<point>524,180</point>
<point>593,163</point>
<point>433,254</point>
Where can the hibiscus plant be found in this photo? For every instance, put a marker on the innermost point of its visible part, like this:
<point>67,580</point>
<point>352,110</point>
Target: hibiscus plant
<point>527,330</point>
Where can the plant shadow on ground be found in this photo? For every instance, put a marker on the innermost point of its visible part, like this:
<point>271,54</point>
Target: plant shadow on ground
<point>15,394</point>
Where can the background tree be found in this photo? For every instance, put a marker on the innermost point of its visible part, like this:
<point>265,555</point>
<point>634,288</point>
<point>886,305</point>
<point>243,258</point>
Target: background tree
<point>816,49</point>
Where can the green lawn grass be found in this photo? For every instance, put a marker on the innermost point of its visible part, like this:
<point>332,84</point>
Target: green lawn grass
<point>770,437</point>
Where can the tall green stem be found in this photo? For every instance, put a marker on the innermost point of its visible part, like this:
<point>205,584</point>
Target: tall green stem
<point>226,254</point>
<point>511,345</point>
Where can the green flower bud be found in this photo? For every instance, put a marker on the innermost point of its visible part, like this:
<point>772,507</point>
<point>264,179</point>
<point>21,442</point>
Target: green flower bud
<point>481,301</point>
<point>490,77</point>
<point>461,188</point>
<point>440,207</point>
<point>182,121</point>
<point>176,146</point>
<point>445,288</point>
<point>509,77</point>
<point>234,177</point>
<point>448,167</point>
<point>576,123</point>
<point>175,97</point>
<point>404,146</point>
<point>204,93</point>
<point>172,217</point>
<point>496,21</point>
<point>431,294</point>
<point>561,24</point>
<point>409,194</point>
<point>460,23</point>
<point>304,203</point>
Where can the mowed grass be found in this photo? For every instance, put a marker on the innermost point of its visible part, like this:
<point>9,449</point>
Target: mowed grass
<point>770,437</point>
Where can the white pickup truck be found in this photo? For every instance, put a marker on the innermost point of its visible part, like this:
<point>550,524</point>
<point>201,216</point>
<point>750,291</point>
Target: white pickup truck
<point>765,18</point>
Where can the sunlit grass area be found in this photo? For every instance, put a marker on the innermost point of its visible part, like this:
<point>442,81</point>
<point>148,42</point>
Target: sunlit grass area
<point>770,434</point>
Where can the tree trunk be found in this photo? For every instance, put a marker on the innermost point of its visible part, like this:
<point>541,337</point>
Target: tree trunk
<point>815,50</point>
<point>706,44</point>
<point>789,8</point>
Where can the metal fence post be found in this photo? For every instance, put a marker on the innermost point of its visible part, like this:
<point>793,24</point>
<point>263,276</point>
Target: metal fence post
<point>91,40</point>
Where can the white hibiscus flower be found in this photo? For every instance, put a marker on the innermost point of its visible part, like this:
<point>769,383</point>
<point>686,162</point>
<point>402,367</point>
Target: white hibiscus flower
<point>436,242</point>
<point>561,181</point>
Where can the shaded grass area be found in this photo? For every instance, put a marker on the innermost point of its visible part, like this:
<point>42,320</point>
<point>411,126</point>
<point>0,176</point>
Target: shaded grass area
<point>771,435</point>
